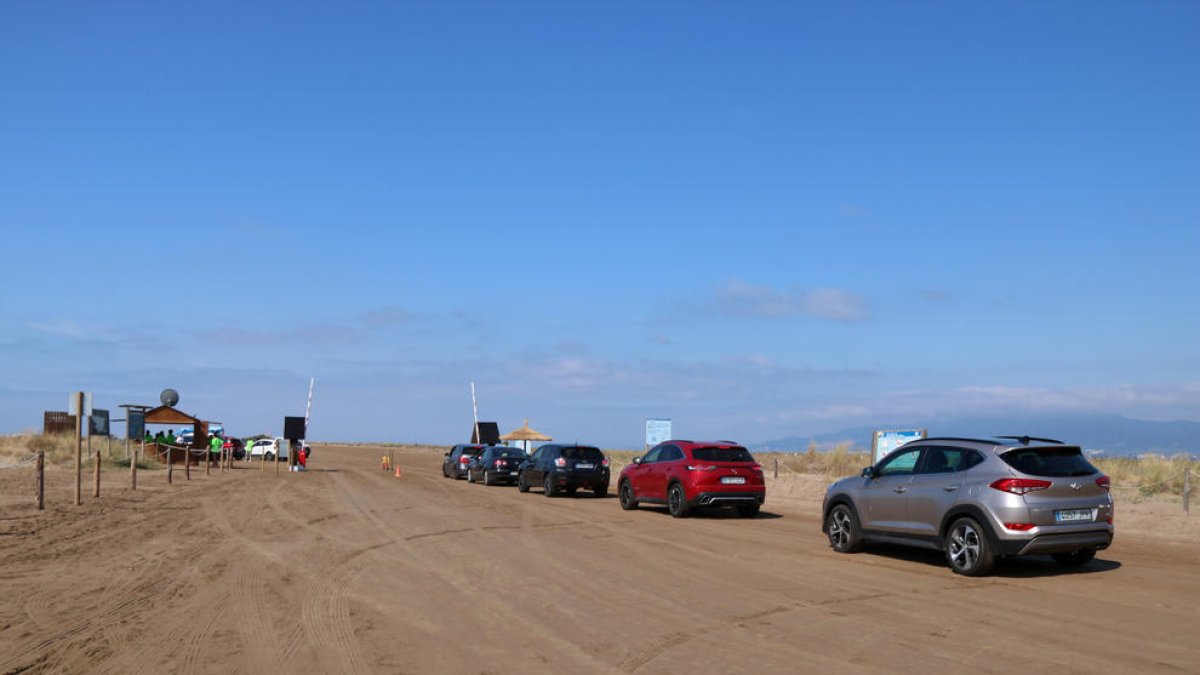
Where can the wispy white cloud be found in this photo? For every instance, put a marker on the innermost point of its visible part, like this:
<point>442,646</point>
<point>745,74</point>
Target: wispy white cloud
<point>737,298</point>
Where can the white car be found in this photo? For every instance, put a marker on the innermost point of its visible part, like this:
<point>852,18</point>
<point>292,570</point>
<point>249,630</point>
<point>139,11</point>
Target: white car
<point>268,448</point>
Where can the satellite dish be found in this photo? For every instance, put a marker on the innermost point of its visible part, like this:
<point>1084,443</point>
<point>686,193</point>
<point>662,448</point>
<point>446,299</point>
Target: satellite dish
<point>169,397</point>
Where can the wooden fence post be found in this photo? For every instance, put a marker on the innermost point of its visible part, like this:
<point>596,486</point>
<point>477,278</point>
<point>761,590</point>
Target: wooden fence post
<point>79,448</point>
<point>187,463</point>
<point>1187,489</point>
<point>207,461</point>
<point>41,480</point>
<point>170,464</point>
<point>96,485</point>
<point>777,467</point>
<point>132,468</point>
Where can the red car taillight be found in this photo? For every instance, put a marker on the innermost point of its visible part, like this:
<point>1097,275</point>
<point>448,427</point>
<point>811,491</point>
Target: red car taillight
<point>1020,486</point>
<point>605,462</point>
<point>499,463</point>
<point>1019,527</point>
<point>1103,482</point>
<point>560,462</point>
<point>464,459</point>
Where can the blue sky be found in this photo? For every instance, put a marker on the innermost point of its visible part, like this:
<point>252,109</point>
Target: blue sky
<point>759,219</point>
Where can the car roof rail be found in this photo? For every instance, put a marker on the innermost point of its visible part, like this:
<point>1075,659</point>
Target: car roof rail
<point>953,438</point>
<point>1024,440</point>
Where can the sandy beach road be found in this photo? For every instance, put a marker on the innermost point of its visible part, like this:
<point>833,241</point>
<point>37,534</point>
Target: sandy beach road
<point>347,569</point>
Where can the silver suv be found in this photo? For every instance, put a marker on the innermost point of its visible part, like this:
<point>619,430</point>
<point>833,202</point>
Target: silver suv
<point>976,500</point>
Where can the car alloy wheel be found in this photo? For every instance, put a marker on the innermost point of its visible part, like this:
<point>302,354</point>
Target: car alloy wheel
<point>625,492</point>
<point>548,486</point>
<point>677,501</point>
<point>487,477</point>
<point>967,549</point>
<point>842,529</point>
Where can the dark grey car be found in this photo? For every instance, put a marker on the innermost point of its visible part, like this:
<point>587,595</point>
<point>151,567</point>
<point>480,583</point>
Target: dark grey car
<point>976,500</point>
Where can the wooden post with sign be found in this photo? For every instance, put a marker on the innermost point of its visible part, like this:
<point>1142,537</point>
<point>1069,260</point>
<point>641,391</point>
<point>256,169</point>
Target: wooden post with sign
<point>78,448</point>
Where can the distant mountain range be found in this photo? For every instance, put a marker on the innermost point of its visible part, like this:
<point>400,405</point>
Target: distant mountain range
<point>1113,434</point>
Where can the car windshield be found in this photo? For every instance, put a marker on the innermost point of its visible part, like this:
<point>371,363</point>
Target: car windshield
<point>727,454</point>
<point>583,454</point>
<point>1049,462</point>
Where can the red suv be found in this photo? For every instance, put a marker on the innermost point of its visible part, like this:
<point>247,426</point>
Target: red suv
<point>688,474</point>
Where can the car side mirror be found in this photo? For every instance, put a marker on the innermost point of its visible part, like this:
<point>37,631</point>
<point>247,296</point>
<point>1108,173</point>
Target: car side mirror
<point>868,472</point>
<point>637,460</point>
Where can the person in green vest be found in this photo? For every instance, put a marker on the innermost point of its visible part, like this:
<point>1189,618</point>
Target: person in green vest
<point>170,437</point>
<point>149,437</point>
<point>214,445</point>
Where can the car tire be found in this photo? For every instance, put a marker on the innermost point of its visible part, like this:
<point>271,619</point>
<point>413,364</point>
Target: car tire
<point>1076,558</point>
<point>487,478</point>
<point>748,510</point>
<point>625,495</point>
<point>968,550</point>
<point>445,472</point>
<point>841,526</point>
<point>548,486</point>
<point>470,476</point>
<point>270,456</point>
<point>677,503</point>
<point>522,486</point>
<point>600,491</point>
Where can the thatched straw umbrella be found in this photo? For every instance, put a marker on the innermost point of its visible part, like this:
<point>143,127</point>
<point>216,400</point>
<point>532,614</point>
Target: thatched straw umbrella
<point>526,434</point>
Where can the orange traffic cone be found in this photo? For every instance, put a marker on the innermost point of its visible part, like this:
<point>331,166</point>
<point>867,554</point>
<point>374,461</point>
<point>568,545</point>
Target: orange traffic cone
<point>397,471</point>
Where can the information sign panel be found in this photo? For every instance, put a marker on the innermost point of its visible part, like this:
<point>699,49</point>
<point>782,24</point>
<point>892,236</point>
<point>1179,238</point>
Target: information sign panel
<point>887,440</point>
<point>657,431</point>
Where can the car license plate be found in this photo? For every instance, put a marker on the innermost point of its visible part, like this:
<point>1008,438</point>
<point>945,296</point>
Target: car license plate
<point>585,466</point>
<point>733,480</point>
<point>1073,516</point>
<point>512,473</point>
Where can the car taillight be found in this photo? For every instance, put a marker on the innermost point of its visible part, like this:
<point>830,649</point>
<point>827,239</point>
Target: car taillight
<point>701,468</point>
<point>1019,527</point>
<point>1020,486</point>
<point>499,463</point>
<point>560,462</point>
<point>605,462</point>
<point>1103,482</point>
<point>464,459</point>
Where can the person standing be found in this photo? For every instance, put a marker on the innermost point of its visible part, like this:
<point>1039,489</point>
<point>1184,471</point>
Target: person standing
<point>214,446</point>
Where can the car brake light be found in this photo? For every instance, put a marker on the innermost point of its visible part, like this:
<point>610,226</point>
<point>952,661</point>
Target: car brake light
<point>1103,482</point>
<point>1019,527</point>
<point>605,462</point>
<point>560,462</point>
<point>1020,486</point>
<point>701,468</point>
<point>1110,520</point>
<point>499,463</point>
<point>464,459</point>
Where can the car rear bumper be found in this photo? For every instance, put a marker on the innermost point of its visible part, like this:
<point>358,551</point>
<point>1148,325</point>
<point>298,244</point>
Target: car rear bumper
<point>730,498</point>
<point>580,480</point>
<point>1056,543</point>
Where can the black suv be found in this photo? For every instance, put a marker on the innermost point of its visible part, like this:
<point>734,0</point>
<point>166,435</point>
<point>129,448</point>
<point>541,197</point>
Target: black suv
<point>497,464</point>
<point>458,459</point>
<point>565,467</point>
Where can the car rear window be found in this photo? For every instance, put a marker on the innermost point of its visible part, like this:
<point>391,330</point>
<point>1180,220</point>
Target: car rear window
<point>509,454</point>
<point>716,454</point>
<point>583,454</point>
<point>1049,462</point>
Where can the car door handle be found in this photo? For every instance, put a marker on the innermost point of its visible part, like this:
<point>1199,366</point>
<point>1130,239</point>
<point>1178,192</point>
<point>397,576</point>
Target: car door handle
<point>901,489</point>
<point>950,488</point>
